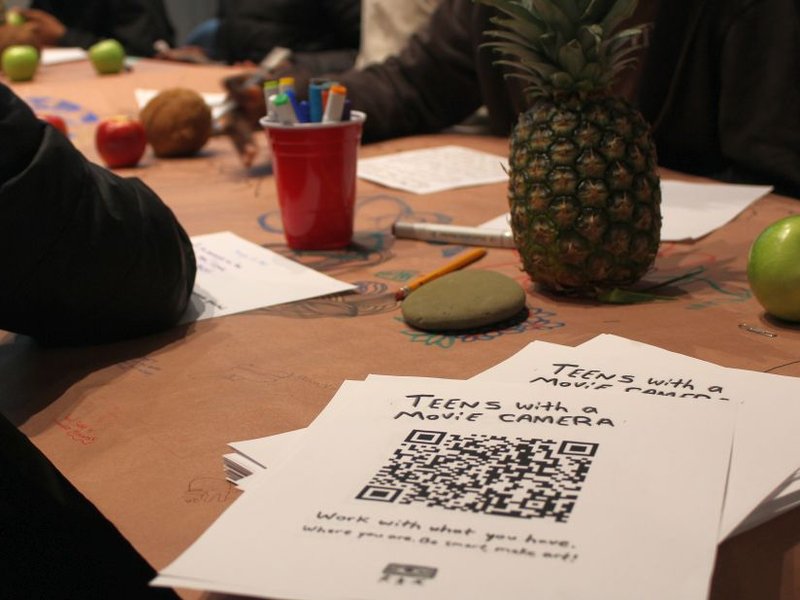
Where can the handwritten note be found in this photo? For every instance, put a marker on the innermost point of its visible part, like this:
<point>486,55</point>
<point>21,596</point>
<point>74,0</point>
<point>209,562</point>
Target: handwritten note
<point>410,488</point>
<point>689,210</point>
<point>235,275</point>
<point>433,169</point>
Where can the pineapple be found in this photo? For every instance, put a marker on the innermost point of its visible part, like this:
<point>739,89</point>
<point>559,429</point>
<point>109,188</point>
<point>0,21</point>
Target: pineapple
<point>584,193</point>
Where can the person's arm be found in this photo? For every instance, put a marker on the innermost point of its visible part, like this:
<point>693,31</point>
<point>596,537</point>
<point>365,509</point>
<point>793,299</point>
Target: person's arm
<point>88,256</point>
<point>431,84</point>
<point>18,34</point>
<point>249,30</point>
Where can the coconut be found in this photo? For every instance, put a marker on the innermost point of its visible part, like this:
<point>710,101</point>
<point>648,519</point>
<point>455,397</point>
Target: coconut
<point>177,122</point>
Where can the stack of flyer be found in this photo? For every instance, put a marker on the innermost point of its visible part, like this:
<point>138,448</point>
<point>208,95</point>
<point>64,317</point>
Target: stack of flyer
<point>597,471</point>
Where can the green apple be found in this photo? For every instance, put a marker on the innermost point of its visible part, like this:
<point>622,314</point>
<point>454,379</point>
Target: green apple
<point>19,62</point>
<point>14,17</point>
<point>107,56</point>
<point>773,268</point>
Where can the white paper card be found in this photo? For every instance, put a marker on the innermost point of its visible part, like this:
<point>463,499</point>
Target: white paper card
<point>689,210</point>
<point>433,169</point>
<point>235,275</point>
<point>766,449</point>
<point>55,56</point>
<point>425,488</point>
<point>269,450</point>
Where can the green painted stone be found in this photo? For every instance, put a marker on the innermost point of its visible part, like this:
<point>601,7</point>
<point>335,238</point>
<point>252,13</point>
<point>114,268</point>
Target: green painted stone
<point>463,300</point>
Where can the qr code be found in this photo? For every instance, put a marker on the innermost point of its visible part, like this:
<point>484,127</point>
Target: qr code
<point>496,475</point>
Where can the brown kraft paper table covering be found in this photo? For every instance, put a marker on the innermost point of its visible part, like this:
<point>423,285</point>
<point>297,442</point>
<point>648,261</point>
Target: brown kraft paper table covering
<point>140,427</point>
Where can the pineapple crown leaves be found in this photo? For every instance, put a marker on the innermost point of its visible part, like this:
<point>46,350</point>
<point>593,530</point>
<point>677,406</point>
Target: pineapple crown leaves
<point>563,45</point>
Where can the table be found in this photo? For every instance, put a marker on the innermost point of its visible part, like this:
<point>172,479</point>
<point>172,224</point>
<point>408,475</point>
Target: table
<point>140,427</point>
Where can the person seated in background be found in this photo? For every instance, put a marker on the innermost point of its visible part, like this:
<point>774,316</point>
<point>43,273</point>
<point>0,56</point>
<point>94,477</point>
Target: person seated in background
<point>385,28</point>
<point>136,24</point>
<point>88,257</point>
<point>723,100</point>
<point>719,84</point>
<point>323,34</point>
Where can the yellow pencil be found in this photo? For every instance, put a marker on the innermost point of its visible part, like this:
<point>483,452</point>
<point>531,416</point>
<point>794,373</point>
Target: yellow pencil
<point>461,260</point>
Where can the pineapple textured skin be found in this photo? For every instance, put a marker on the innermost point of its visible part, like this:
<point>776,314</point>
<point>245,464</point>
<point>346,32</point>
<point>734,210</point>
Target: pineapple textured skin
<point>584,193</point>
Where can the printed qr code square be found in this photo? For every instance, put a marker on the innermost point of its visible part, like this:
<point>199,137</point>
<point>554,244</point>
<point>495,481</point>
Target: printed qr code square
<point>525,478</point>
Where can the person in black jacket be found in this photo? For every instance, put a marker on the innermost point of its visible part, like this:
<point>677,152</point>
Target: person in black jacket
<point>249,29</point>
<point>721,87</point>
<point>720,84</point>
<point>136,24</point>
<point>88,256</point>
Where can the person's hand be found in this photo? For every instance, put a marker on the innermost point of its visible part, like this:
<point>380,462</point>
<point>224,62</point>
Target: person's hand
<point>246,95</point>
<point>246,91</point>
<point>46,27</point>
<point>246,98</point>
<point>18,34</point>
<point>236,126</point>
<point>186,54</point>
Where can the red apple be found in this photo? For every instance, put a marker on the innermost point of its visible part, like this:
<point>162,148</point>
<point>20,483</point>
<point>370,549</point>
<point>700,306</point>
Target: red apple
<point>120,141</point>
<point>55,121</point>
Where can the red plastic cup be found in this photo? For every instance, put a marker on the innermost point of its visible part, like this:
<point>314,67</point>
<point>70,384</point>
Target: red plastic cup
<point>315,173</point>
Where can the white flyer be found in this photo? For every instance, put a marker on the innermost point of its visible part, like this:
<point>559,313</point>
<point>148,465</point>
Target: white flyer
<point>438,489</point>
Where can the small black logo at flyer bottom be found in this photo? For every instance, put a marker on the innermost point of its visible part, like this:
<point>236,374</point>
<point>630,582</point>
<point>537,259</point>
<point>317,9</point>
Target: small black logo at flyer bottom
<point>402,574</point>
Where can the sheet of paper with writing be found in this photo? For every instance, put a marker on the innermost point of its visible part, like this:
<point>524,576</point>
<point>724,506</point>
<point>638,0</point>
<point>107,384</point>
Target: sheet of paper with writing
<point>428,488</point>
<point>235,275</point>
<point>690,210</point>
<point>765,450</point>
<point>433,169</point>
<point>766,446</point>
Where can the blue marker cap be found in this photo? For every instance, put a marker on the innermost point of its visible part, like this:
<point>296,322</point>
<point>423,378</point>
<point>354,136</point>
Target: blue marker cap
<point>295,102</point>
<point>304,112</point>
<point>316,108</point>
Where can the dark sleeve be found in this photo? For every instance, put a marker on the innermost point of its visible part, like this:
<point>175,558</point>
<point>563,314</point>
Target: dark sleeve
<point>78,38</point>
<point>431,84</point>
<point>241,39</point>
<point>760,94</point>
<point>721,89</point>
<point>344,18</point>
<point>88,256</point>
<point>136,24</point>
<point>54,542</point>
<point>249,29</point>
